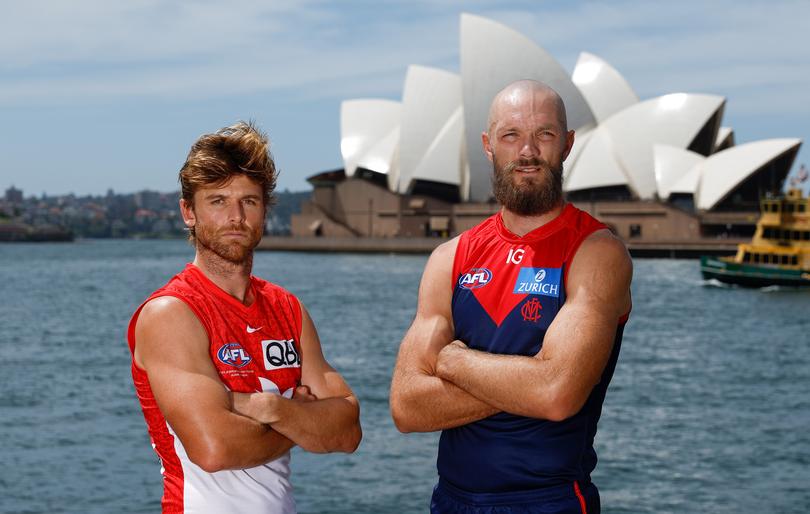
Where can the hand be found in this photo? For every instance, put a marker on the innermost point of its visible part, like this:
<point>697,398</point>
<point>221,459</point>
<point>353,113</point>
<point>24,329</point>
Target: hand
<point>302,393</point>
<point>263,407</point>
<point>446,355</point>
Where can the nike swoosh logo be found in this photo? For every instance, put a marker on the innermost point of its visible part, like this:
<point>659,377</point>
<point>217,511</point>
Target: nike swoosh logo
<point>250,329</point>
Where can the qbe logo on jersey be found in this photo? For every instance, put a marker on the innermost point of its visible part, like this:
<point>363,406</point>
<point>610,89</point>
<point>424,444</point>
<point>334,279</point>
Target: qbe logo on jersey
<point>542,281</point>
<point>279,354</point>
<point>475,278</point>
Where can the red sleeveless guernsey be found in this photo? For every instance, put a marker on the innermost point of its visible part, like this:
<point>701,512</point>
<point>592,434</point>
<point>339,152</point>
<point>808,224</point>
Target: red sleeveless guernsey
<point>253,348</point>
<point>507,291</point>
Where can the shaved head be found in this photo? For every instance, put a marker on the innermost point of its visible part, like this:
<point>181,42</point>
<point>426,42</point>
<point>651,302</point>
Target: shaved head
<point>520,92</point>
<point>527,140</point>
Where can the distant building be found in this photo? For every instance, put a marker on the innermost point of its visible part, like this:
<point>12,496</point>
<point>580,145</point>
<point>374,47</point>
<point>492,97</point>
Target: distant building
<point>14,195</point>
<point>661,169</point>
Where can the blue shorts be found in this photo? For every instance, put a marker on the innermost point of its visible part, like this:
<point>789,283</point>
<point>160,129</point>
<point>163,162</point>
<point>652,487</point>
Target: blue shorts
<point>563,499</point>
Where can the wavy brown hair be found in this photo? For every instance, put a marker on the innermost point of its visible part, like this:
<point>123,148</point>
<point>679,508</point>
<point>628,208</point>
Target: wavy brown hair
<point>214,159</point>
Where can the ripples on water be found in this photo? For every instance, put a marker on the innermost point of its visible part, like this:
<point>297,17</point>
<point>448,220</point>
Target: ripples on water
<point>708,410</point>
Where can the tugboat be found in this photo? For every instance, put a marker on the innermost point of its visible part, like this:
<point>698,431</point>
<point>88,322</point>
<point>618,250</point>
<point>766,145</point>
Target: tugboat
<point>778,254</point>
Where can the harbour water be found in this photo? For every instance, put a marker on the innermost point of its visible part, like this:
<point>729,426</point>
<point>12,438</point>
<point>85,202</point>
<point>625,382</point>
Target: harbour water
<point>708,411</point>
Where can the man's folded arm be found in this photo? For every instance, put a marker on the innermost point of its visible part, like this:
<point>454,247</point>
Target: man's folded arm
<point>171,345</point>
<point>324,414</point>
<point>420,400</point>
<point>555,383</point>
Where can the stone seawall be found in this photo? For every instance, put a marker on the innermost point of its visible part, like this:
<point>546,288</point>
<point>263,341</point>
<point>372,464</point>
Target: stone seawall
<point>423,245</point>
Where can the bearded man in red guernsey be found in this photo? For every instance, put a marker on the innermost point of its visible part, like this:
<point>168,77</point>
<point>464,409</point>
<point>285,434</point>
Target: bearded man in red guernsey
<point>517,330</point>
<point>228,367</point>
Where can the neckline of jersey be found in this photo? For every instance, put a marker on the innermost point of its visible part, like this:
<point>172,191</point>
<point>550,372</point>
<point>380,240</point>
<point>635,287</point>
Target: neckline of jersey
<point>218,291</point>
<point>541,232</point>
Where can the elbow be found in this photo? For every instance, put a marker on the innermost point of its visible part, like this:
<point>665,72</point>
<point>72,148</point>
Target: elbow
<point>402,423</point>
<point>210,458</point>
<point>352,440</point>
<point>562,404</point>
<point>554,402</point>
<point>351,435</point>
<point>559,413</point>
<point>354,434</point>
<point>400,415</point>
<point>403,417</point>
<point>210,465</point>
<point>408,407</point>
<point>347,440</point>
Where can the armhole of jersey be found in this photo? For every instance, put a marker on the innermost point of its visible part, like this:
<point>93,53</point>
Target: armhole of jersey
<point>131,329</point>
<point>298,315</point>
<point>569,259</point>
<point>459,258</point>
<point>134,320</point>
<point>626,316</point>
<point>572,252</point>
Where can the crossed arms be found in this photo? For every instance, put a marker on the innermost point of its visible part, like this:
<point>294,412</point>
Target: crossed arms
<point>440,383</point>
<point>222,430</point>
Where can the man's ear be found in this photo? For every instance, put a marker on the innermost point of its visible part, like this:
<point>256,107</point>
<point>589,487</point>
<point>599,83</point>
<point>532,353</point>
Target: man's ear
<point>187,211</point>
<point>569,143</point>
<point>485,142</point>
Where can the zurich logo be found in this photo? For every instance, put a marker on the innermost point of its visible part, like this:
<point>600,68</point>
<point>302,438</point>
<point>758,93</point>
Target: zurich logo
<point>538,281</point>
<point>475,278</point>
<point>234,355</point>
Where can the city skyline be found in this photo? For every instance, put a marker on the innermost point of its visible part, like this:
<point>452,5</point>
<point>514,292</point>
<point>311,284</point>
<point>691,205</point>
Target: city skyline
<point>107,96</point>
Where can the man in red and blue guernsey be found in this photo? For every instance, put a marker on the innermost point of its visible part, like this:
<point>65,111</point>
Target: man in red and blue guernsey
<point>517,330</point>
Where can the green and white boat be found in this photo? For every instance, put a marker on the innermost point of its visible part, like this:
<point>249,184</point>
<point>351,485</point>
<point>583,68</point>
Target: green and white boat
<point>778,254</point>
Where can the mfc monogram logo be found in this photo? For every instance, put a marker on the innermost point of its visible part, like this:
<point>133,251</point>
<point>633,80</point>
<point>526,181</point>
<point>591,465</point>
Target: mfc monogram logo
<point>531,310</point>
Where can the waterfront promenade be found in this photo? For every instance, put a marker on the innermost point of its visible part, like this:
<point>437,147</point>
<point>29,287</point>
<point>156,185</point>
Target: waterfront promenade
<point>419,245</point>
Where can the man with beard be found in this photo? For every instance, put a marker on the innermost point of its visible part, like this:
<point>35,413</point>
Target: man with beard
<point>517,330</point>
<point>228,367</point>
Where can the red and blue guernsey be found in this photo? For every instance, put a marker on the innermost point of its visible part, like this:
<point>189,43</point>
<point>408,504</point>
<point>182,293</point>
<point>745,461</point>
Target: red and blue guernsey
<point>508,291</point>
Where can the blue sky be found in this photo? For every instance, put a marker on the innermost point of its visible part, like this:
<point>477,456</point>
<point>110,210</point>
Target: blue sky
<point>97,94</point>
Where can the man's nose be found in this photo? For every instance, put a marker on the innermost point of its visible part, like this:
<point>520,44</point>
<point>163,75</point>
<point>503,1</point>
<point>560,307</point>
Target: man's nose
<point>529,148</point>
<point>236,213</point>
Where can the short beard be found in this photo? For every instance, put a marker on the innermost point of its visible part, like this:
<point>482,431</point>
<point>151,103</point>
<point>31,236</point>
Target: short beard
<point>235,252</point>
<point>530,196</point>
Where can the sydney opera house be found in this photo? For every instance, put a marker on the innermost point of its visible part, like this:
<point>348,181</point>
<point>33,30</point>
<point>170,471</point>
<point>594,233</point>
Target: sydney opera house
<point>660,170</point>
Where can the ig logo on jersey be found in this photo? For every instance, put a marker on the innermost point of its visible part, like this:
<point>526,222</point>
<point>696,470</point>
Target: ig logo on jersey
<point>279,354</point>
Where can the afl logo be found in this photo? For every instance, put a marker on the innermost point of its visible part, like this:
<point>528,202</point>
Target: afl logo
<point>234,355</point>
<point>475,278</point>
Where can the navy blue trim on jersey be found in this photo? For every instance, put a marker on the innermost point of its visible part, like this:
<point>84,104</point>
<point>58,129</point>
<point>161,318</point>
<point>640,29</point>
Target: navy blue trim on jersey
<point>562,499</point>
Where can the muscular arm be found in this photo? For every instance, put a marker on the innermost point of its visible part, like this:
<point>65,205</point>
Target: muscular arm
<point>327,420</point>
<point>420,400</point>
<point>172,347</point>
<point>556,382</point>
